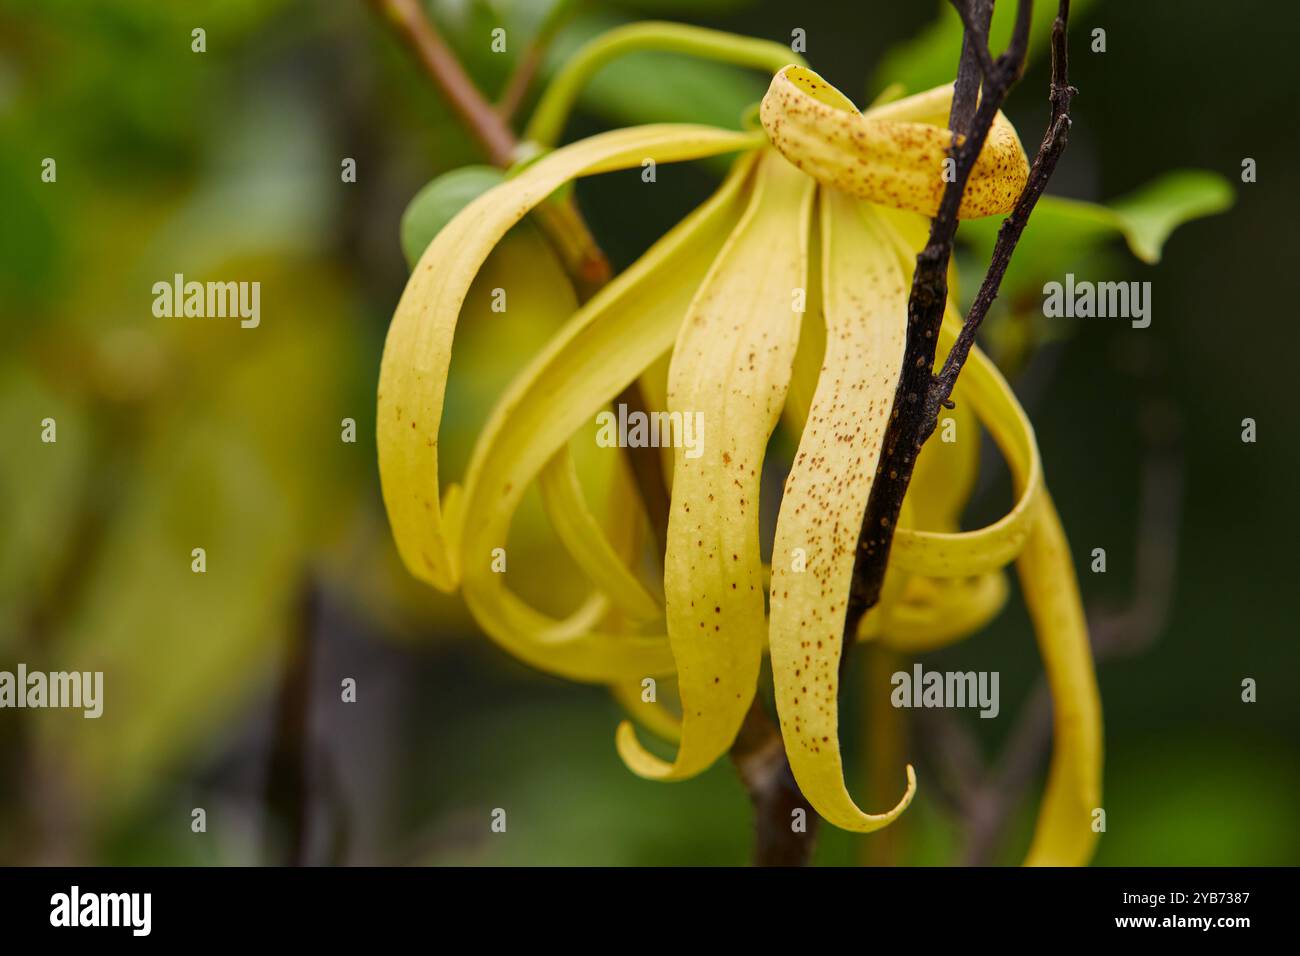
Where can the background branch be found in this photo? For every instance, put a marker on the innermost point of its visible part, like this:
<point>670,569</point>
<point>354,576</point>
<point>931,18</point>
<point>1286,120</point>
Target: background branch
<point>764,769</point>
<point>488,128</point>
<point>517,86</point>
<point>986,798</point>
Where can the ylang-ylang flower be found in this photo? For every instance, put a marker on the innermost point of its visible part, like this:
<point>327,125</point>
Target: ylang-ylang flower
<point>782,297</point>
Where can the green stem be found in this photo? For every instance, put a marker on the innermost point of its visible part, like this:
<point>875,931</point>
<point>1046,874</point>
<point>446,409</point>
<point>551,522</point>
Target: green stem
<point>548,119</point>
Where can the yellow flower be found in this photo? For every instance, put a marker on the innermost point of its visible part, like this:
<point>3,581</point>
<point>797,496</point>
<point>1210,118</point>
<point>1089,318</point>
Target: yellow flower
<point>785,294</point>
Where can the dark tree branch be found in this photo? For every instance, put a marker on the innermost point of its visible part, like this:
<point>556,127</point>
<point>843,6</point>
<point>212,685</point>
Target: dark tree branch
<point>920,392</point>
<point>759,756</point>
<point>974,64</point>
<point>1049,153</point>
<point>287,797</point>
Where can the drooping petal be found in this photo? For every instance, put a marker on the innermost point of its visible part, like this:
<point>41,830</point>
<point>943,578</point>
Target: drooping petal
<point>915,612</point>
<point>812,347</point>
<point>888,161</point>
<point>586,541</point>
<point>924,612</point>
<point>865,304</point>
<point>1064,835</point>
<point>603,347</point>
<point>413,374</point>
<point>730,370</point>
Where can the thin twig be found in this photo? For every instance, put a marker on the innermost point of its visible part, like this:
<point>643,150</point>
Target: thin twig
<point>287,796</point>
<point>521,79</point>
<point>517,86</point>
<point>976,17</point>
<point>483,122</point>
<point>1049,153</point>
<point>920,392</point>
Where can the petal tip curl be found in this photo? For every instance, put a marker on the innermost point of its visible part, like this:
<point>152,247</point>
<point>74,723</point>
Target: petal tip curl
<point>889,161</point>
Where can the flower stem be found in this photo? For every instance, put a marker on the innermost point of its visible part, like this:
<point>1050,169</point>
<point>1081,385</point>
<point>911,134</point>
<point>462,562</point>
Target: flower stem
<point>482,121</point>
<point>558,218</point>
<point>516,88</point>
<point>761,763</point>
<point>547,122</point>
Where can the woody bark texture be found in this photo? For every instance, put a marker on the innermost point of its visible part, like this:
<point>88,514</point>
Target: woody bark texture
<point>921,392</point>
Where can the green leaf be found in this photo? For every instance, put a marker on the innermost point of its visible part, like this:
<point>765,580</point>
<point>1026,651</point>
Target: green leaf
<point>1063,233</point>
<point>930,59</point>
<point>657,87</point>
<point>438,202</point>
<point>1148,216</point>
<point>1071,236</point>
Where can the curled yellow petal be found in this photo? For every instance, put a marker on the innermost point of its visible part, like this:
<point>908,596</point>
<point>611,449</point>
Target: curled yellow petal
<point>592,359</point>
<point>933,612</point>
<point>730,370</point>
<point>650,714</point>
<point>865,305</point>
<point>640,699</point>
<point>1065,834</point>
<point>417,352</point>
<point>946,469</point>
<point>886,160</point>
<point>985,392</point>
<point>993,547</point>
